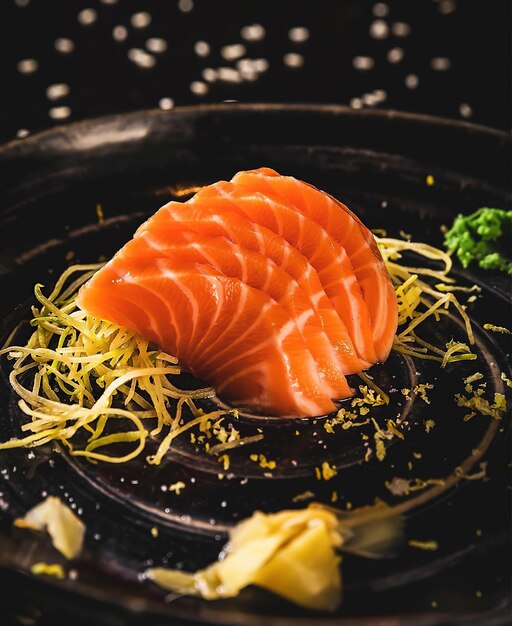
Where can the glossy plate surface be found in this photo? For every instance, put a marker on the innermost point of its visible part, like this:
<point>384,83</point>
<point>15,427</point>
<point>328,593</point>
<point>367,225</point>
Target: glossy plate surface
<point>377,163</point>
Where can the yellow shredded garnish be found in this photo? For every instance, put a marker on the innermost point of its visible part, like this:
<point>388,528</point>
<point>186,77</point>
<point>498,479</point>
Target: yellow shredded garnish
<point>90,374</point>
<point>506,380</point>
<point>404,486</point>
<point>224,459</point>
<point>179,192</point>
<point>55,570</point>
<point>262,461</point>
<point>392,428</point>
<point>429,425</point>
<point>497,329</point>
<point>99,213</point>
<point>235,443</point>
<point>369,397</point>
<point>418,390</point>
<point>424,545</point>
<point>325,472</point>
<point>306,495</point>
<point>177,487</point>
<point>478,404</point>
<point>418,299</point>
<point>381,398</point>
<point>473,378</point>
<point>480,475</point>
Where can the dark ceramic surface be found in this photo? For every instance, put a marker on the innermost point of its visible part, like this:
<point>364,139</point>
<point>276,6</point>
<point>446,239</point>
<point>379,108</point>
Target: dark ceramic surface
<point>377,163</point>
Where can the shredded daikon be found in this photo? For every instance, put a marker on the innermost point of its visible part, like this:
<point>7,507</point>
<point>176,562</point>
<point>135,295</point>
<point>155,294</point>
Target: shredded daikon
<point>424,293</point>
<point>95,384</point>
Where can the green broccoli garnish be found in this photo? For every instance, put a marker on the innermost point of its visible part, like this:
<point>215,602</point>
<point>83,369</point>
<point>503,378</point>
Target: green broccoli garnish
<point>485,236</point>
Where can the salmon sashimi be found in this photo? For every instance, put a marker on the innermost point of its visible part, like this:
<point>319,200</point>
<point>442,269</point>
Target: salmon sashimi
<point>265,287</point>
<point>250,341</point>
<point>357,240</point>
<point>256,271</point>
<point>176,216</point>
<point>325,254</point>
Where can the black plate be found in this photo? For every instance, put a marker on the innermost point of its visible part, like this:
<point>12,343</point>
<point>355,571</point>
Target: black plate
<point>377,162</point>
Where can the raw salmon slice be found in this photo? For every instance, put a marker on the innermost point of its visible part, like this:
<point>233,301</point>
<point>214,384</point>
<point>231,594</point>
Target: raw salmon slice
<point>257,271</point>
<point>177,216</point>
<point>351,233</point>
<point>253,351</point>
<point>266,288</point>
<point>324,253</point>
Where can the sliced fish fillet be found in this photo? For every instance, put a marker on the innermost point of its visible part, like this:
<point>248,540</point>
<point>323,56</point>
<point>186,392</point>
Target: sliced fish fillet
<point>324,253</point>
<point>231,224</point>
<point>265,287</point>
<point>253,351</point>
<point>351,233</point>
<point>257,271</point>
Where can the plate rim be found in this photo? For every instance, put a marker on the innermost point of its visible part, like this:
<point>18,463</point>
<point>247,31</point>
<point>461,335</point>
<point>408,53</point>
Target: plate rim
<point>337,110</point>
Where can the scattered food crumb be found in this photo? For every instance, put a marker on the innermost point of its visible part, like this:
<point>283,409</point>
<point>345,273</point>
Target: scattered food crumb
<point>263,462</point>
<point>224,459</point>
<point>55,570</point>
<point>177,487</point>
<point>307,495</point>
<point>326,472</point>
<point>424,545</point>
<point>497,329</point>
<point>429,425</point>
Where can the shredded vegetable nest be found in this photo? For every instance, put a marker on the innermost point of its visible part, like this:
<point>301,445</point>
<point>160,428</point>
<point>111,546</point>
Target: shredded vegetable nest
<point>424,293</point>
<point>94,384</point>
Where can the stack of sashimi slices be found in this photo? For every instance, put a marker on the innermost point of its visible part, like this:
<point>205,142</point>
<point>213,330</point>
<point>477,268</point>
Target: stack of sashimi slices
<point>265,287</point>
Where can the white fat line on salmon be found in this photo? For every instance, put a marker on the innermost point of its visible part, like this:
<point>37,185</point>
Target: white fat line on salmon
<point>354,324</point>
<point>305,404</point>
<point>220,297</point>
<point>309,272</point>
<point>154,245</point>
<point>359,255</point>
<point>271,204</point>
<point>316,297</point>
<point>330,204</point>
<point>241,355</point>
<point>129,279</point>
<point>260,239</point>
<point>171,275</point>
<point>257,367</point>
<point>300,322</point>
<point>343,262</point>
<point>302,230</point>
<point>268,278</point>
<point>347,284</point>
<point>307,363</point>
<point>286,252</point>
<point>243,265</point>
<point>247,331</point>
<point>380,318</point>
<point>325,240</point>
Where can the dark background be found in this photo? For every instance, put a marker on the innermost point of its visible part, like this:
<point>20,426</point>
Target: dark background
<point>468,41</point>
